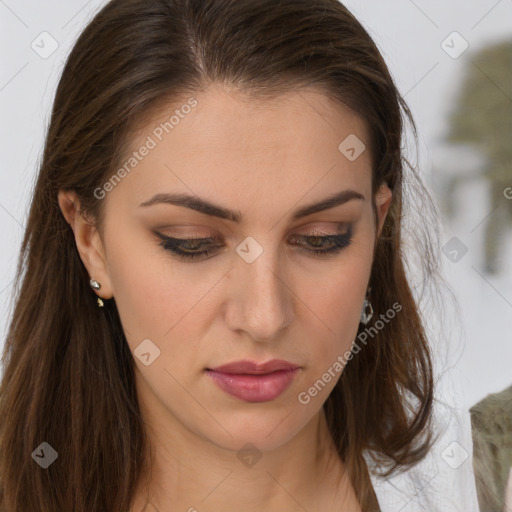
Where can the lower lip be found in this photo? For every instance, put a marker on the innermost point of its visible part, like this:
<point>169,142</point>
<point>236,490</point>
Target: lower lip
<point>254,388</point>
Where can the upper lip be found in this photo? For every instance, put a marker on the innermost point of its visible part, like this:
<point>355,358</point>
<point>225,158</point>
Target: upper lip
<point>254,368</point>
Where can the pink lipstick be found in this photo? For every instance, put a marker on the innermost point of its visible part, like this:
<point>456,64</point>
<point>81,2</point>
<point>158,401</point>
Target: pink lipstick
<point>254,382</point>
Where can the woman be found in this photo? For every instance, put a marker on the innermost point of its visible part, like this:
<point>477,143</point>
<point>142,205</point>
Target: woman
<point>213,309</point>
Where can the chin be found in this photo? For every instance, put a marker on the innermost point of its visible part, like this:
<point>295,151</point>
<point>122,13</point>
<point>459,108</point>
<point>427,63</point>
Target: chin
<point>265,431</point>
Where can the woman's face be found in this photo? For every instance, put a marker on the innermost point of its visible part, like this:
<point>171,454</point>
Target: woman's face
<point>260,293</point>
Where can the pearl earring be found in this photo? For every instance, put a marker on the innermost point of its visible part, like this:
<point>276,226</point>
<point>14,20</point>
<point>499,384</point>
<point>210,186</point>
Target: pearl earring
<point>96,286</point>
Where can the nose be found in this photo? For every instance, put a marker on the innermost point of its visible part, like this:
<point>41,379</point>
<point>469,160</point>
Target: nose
<point>260,300</point>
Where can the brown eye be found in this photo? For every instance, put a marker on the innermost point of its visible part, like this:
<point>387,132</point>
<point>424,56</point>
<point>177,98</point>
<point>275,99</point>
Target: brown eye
<point>320,245</point>
<point>187,248</point>
<point>335,243</point>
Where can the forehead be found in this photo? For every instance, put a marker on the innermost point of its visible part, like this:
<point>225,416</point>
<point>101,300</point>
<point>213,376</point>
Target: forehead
<point>227,119</point>
<point>229,145</point>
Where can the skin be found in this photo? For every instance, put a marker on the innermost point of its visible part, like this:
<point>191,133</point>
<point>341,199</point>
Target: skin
<point>265,160</point>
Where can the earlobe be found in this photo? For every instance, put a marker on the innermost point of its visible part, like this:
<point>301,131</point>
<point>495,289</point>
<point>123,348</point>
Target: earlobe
<point>88,241</point>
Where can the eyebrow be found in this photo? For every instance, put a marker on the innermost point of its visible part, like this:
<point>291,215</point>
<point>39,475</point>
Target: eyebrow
<point>209,208</point>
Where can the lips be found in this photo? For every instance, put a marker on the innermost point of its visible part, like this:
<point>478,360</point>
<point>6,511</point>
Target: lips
<point>254,382</point>
<point>252,368</point>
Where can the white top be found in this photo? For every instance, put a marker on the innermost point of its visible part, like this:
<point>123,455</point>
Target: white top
<point>508,492</point>
<point>444,480</point>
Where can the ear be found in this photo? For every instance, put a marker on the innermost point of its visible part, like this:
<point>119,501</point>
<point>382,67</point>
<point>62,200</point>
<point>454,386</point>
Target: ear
<point>88,242</point>
<point>382,200</point>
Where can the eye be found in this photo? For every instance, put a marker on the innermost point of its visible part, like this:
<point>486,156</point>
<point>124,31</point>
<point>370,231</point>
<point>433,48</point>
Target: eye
<point>189,248</point>
<point>337,242</point>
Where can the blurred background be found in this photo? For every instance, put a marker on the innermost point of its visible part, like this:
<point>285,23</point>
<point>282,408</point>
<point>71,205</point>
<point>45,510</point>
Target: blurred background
<point>452,62</point>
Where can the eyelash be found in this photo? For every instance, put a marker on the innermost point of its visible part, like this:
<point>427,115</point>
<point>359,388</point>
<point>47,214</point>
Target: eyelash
<point>339,242</point>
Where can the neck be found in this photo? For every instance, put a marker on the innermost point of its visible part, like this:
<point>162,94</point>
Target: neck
<point>190,473</point>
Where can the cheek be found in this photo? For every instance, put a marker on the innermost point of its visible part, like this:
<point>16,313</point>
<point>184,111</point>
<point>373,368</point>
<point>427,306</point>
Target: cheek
<point>337,307</point>
<point>338,304</point>
<point>334,302</point>
<point>151,295</point>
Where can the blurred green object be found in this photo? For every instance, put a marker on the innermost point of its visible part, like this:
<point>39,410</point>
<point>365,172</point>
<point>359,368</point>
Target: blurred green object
<point>491,424</point>
<point>482,117</point>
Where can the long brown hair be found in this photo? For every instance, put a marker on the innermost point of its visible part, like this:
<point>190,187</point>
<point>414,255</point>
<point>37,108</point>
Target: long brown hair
<point>68,371</point>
